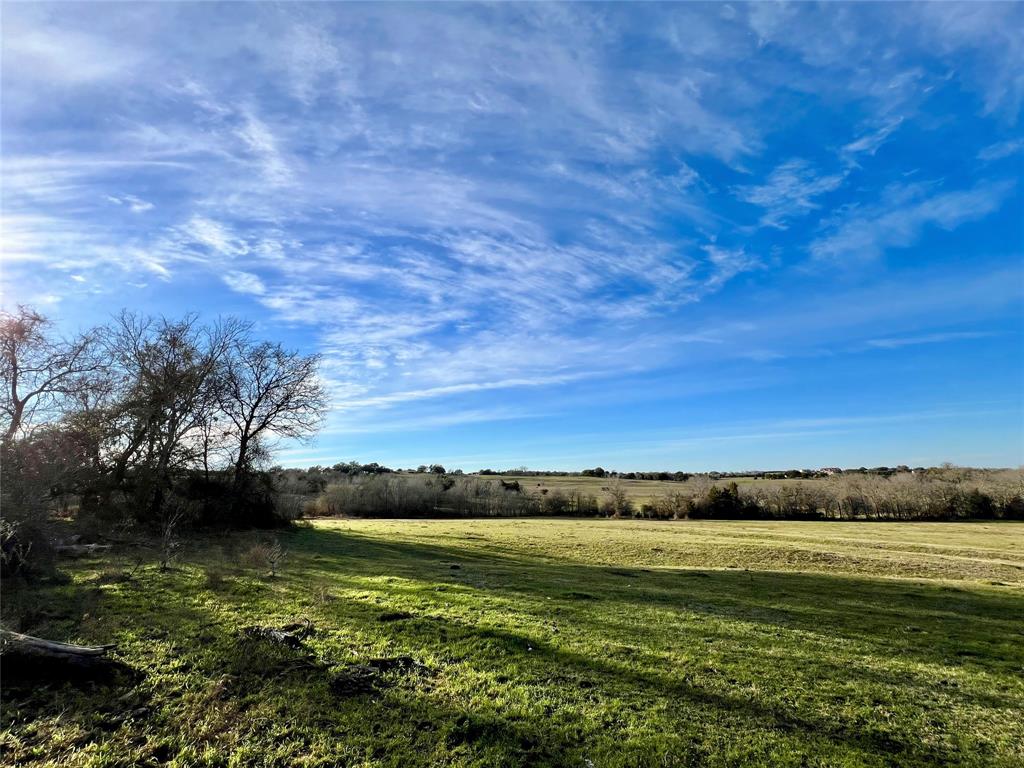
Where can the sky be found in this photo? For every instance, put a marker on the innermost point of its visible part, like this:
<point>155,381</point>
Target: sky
<point>646,237</point>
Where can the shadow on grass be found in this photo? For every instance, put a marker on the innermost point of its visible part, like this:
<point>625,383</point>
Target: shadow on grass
<point>937,622</point>
<point>176,622</point>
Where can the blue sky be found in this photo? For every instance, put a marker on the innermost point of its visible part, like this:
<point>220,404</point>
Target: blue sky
<point>646,237</point>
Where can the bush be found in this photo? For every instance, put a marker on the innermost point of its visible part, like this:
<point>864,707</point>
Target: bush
<point>265,556</point>
<point>618,503</point>
<point>216,577</point>
<point>220,503</point>
<point>15,550</point>
<point>725,504</point>
<point>675,505</point>
<point>555,503</point>
<point>26,528</point>
<point>256,557</point>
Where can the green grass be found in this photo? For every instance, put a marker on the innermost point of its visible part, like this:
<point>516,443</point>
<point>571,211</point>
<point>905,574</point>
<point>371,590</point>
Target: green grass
<point>555,642</point>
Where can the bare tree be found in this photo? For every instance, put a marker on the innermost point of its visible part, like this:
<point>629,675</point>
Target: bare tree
<point>619,504</point>
<point>269,391</point>
<point>275,557</point>
<point>142,404</point>
<point>170,540</point>
<point>170,372</point>
<point>214,441</point>
<point>37,368</point>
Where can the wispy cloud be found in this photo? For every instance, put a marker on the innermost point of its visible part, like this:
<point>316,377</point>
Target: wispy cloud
<point>870,142</point>
<point>135,204</point>
<point>448,201</point>
<point>215,236</point>
<point>374,422</point>
<point>245,282</point>
<point>789,192</point>
<point>727,263</point>
<point>50,50</point>
<point>930,338</point>
<point>453,389</point>
<point>1001,149</point>
<point>263,145</point>
<point>788,428</point>
<point>905,210</point>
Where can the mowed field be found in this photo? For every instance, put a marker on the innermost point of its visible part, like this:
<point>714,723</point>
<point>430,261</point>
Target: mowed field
<point>547,642</point>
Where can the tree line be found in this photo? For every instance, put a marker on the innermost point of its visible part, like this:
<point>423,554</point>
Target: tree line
<point>939,494</point>
<point>146,420</point>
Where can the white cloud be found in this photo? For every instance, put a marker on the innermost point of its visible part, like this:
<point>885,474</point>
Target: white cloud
<point>859,233</point>
<point>245,282</point>
<point>135,204</point>
<point>215,236</point>
<point>869,49</point>
<point>726,263</point>
<point>990,32</point>
<point>374,422</point>
<point>47,52</point>
<point>789,191</point>
<point>420,184</point>
<point>262,143</point>
<point>930,338</point>
<point>73,179</point>
<point>454,389</point>
<point>1000,150</point>
<point>871,141</point>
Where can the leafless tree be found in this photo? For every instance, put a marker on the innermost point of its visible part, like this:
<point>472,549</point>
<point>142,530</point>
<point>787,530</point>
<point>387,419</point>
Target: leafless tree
<point>169,372</point>
<point>268,391</point>
<point>275,557</point>
<point>37,367</point>
<point>170,541</point>
<point>619,503</point>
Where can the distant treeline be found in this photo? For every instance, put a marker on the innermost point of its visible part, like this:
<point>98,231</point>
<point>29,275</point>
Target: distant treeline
<point>319,476</point>
<point>937,494</point>
<point>940,495</point>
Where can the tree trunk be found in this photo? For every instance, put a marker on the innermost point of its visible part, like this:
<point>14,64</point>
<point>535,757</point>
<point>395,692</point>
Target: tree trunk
<point>16,417</point>
<point>243,449</point>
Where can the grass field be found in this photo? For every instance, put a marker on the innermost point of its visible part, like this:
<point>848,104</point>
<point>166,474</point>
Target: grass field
<point>549,642</point>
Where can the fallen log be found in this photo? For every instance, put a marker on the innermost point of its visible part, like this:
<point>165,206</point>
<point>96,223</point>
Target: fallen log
<point>15,643</point>
<point>80,550</point>
<point>27,657</point>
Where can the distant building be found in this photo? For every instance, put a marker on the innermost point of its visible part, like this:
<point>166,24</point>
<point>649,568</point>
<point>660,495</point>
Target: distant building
<point>830,471</point>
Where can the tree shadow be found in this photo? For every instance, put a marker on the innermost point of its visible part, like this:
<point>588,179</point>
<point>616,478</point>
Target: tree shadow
<point>925,627</point>
<point>984,626</point>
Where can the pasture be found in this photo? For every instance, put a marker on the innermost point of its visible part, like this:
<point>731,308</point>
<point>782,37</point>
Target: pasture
<point>544,642</point>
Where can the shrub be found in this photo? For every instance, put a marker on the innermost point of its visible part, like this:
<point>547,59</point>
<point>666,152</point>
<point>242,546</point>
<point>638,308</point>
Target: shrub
<point>618,503</point>
<point>724,504</point>
<point>266,556</point>
<point>554,503</point>
<point>257,557</point>
<point>675,505</point>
